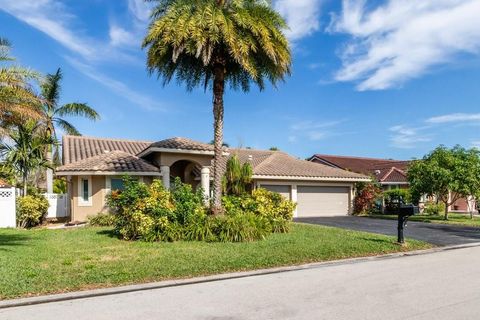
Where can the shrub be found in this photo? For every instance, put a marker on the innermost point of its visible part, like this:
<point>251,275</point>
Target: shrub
<point>102,220</point>
<point>31,211</point>
<point>394,198</point>
<point>432,208</point>
<point>365,198</point>
<point>152,213</point>
<point>262,202</point>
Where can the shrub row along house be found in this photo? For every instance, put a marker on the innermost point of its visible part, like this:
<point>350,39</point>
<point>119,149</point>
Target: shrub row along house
<point>95,166</point>
<point>390,174</point>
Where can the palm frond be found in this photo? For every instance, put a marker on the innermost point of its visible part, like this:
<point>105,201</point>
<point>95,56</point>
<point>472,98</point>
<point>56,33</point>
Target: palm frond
<point>78,109</point>
<point>67,127</point>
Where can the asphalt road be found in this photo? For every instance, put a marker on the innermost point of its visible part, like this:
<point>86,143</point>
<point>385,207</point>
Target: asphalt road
<point>438,234</point>
<point>440,286</point>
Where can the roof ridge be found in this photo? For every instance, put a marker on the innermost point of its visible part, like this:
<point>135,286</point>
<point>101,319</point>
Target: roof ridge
<point>356,157</point>
<point>66,136</point>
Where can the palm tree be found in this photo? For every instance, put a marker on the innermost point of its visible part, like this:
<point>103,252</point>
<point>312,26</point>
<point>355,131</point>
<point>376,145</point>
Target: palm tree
<point>212,43</point>
<point>17,98</point>
<point>238,177</point>
<point>53,115</point>
<point>24,151</point>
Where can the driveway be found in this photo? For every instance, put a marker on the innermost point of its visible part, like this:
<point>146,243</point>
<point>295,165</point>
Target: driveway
<point>438,234</point>
<point>441,286</point>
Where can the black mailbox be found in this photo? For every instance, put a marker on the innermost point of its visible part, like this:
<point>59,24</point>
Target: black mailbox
<point>405,211</point>
<point>408,210</point>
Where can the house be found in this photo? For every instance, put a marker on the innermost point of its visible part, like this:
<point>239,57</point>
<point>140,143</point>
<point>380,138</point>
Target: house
<point>390,174</point>
<point>95,166</point>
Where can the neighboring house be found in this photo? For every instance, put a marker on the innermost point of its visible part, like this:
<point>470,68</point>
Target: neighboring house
<point>95,166</point>
<point>390,174</point>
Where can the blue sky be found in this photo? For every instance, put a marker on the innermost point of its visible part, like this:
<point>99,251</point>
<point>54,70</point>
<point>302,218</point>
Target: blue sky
<point>387,79</point>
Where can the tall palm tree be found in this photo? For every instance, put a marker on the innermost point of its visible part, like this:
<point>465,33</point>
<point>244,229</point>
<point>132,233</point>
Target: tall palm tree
<point>17,98</point>
<point>212,43</point>
<point>53,114</point>
<point>24,151</point>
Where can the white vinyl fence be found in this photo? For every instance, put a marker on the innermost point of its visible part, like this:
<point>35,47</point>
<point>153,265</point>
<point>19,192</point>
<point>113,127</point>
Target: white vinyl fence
<point>7,208</point>
<point>58,205</point>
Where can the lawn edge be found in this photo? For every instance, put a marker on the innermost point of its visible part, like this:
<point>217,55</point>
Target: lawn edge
<point>218,277</point>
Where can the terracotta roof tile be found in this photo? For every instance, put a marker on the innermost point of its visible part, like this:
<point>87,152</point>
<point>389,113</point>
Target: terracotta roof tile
<point>182,144</point>
<point>114,161</point>
<point>78,148</point>
<point>277,163</point>
<point>380,168</point>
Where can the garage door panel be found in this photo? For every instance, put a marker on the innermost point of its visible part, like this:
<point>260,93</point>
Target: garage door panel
<point>315,201</point>
<point>283,190</point>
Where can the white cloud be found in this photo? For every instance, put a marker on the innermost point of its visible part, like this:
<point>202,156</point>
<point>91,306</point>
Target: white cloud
<point>302,16</point>
<point>405,137</point>
<point>51,18</point>
<point>120,37</point>
<point>120,88</point>
<point>140,9</point>
<point>401,40</point>
<point>312,130</point>
<point>455,117</point>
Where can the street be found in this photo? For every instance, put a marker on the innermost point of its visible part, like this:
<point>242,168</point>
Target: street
<point>442,285</point>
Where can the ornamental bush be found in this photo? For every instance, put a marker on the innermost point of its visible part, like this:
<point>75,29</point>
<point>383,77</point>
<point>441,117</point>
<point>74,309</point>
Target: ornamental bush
<point>435,209</point>
<point>31,210</point>
<point>367,194</point>
<point>152,213</point>
<point>102,220</point>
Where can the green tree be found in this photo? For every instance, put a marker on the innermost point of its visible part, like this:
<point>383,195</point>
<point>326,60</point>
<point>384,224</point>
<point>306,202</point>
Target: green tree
<point>24,150</point>
<point>17,98</point>
<point>53,116</point>
<point>213,43</point>
<point>446,174</point>
<point>237,177</point>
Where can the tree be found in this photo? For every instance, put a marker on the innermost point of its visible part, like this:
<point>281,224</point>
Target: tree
<point>53,113</point>
<point>213,43</point>
<point>17,98</point>
<point>446,174</point>
<point>25,151</point>
<point>237,177</point>
<point>274,149</point>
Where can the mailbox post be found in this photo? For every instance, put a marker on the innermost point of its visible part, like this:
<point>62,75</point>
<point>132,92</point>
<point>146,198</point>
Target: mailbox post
<point>404,212</point>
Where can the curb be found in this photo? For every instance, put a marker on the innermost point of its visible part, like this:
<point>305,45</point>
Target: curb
<point>219,277</point>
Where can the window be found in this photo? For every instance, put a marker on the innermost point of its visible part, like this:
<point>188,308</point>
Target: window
<point>117,184</point>
<point>85,191</point>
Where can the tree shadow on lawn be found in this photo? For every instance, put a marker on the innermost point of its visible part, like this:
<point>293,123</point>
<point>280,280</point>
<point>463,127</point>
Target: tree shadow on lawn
<point>109,233</point>
<point>7,240</point>
<point>383,241</point>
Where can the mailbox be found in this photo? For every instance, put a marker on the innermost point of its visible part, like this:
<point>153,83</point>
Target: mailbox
<point>405,211</point>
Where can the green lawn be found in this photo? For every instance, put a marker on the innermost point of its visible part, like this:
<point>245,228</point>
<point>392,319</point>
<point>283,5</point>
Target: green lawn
<point>453,218</point>
<point>47,261</point>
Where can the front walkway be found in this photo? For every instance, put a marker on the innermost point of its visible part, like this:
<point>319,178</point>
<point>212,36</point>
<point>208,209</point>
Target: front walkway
<point>441,286</point>
<point>438,234</point>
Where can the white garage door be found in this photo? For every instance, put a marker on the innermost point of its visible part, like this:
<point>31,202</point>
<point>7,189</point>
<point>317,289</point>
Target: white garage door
<point>283,190</point>
<point>315,201</point>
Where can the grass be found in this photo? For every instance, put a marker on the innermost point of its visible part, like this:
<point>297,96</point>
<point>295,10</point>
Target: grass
<point>44,261</point>
<point>453,218</point>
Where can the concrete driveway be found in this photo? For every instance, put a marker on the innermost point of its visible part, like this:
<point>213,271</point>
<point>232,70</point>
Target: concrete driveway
<point>438,234</point>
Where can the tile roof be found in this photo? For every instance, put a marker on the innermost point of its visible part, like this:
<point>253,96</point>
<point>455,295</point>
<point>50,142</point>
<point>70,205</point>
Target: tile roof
<point>4,184</point>
<point>278,163</point>
<point>182,144</point>
<point>385,170</point>
<point>112,161</point>
<point>78,148</point>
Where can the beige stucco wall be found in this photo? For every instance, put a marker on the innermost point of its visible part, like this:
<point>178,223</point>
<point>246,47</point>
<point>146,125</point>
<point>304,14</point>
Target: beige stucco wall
<point>99,192</point>
<point>167,159</point>
<point>80,213</point>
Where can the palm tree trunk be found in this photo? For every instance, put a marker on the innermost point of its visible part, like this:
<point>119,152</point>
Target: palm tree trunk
<point>49,175</point>
<point>25,178</point>
<point>218,91</point>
